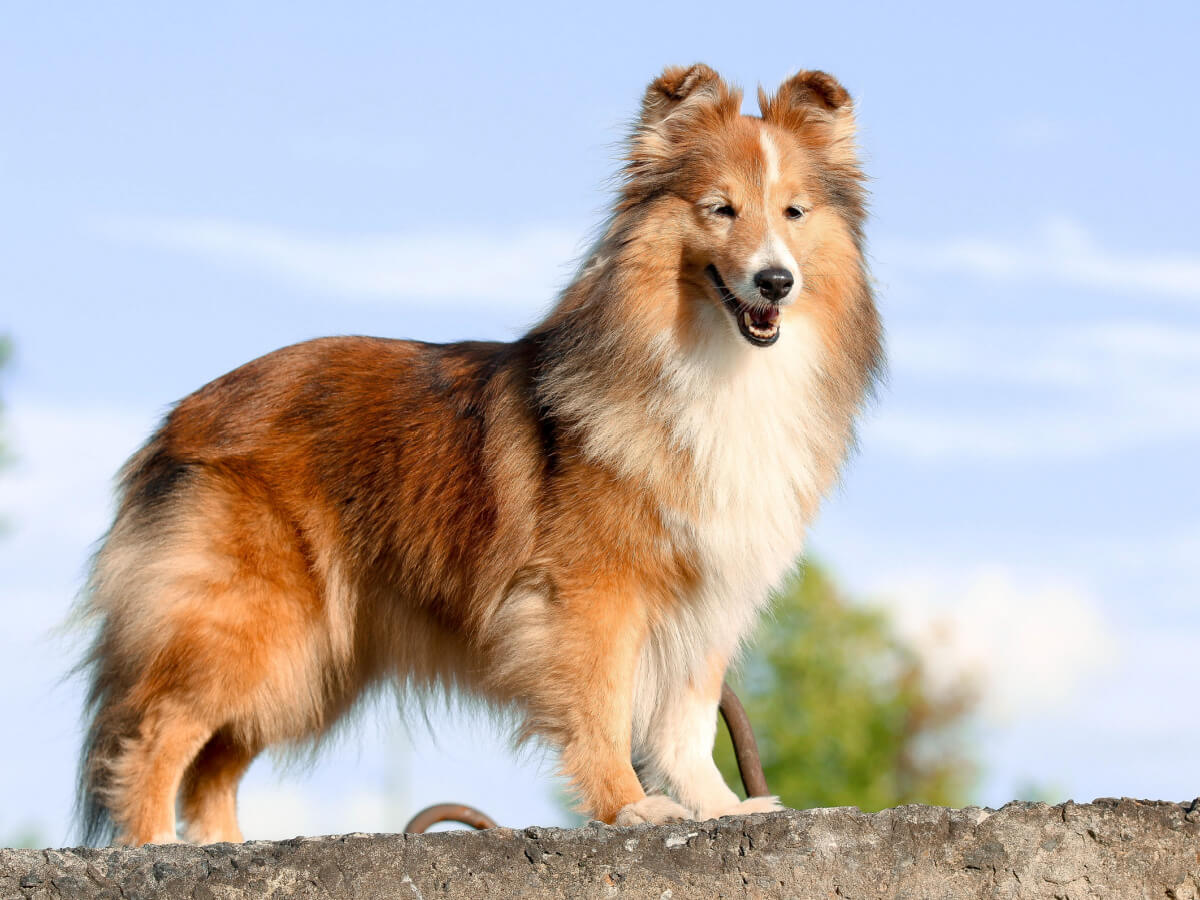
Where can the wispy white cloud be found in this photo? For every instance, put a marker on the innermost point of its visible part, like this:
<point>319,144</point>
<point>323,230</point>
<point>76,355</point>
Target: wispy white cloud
<point>524,267</point>
<point>55,502</point>
<point>1045,435</point>
<point>1100,355</point>
<point>1061,251</point>
<point>1045,394</point>
<point>59,487</point>
<point>1028,642</point>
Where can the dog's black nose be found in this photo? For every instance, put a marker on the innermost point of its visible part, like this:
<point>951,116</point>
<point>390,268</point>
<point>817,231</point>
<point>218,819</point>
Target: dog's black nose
<point>774,284</point>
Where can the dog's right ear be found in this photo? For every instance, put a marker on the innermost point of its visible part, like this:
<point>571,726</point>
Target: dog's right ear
<point>681,101</point>
<point>677,86</point>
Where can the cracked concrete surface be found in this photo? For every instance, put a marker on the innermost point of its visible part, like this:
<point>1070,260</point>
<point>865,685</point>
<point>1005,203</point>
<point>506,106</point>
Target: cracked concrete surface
<point>1109,848</point>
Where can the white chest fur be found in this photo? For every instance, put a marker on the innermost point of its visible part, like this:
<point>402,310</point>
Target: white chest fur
<point>751,421</point>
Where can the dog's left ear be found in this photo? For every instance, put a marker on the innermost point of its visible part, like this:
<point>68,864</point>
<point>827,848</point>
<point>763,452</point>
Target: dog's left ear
<point>816,107</point>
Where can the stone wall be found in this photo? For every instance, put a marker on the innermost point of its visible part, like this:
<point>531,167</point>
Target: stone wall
<point>1109,848</point>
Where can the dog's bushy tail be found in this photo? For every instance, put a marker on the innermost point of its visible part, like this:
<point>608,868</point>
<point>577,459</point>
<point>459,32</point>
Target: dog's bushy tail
<point>109,723</point>
<point>109,608</point>
<point>101,745</point>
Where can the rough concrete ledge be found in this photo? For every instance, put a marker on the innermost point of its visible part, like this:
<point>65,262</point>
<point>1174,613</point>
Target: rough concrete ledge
<point>1109,848</point>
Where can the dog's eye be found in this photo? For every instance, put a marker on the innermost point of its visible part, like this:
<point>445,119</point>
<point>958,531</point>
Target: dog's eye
<point>795,212</point>
<point>726,211</point>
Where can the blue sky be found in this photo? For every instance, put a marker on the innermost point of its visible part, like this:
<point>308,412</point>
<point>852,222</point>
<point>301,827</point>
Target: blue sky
<point>186,189</point>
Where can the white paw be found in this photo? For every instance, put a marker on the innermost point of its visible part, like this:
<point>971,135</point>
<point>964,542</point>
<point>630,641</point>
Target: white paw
<point>657,809</point>
<point>747,807</point>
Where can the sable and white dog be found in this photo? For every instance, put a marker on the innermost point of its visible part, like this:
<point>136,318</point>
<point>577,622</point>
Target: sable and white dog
<point>580,526</point>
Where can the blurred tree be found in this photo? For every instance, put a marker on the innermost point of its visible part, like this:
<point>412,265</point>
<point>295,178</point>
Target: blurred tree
<point>27,837</point>
<point>843,710</point>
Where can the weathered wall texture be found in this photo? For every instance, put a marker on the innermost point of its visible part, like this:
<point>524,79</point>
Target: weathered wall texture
<point>1110,848</point>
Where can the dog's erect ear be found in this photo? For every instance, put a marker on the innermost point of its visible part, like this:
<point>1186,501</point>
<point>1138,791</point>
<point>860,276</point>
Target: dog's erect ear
<point>812,89</point>
<point>678,105</point>
<point>678,85</point>
<point>815,106</point>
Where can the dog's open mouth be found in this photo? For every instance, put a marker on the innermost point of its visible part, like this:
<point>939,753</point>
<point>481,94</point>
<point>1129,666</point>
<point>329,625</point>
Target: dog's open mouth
<point>758,324</point>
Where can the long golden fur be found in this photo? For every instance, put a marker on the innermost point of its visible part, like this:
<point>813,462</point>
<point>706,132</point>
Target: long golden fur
<point>580,526</point>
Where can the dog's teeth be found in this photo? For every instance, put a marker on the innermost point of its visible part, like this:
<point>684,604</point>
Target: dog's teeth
<point>746,318</point>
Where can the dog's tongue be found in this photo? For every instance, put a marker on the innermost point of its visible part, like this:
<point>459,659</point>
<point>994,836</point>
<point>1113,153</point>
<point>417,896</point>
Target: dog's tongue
<point>765,318</point>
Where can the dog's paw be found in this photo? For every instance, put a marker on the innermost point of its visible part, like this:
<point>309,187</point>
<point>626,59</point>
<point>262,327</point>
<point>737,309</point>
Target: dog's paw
<point>748,807</point>
<point>162,838</point>
<point>657,809</point>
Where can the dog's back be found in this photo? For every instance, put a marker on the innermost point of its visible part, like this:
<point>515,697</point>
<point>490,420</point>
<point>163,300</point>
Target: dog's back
<point>294,531</point>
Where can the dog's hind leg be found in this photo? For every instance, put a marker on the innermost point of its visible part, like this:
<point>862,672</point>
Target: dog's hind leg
<point>209,793</point>
<point>212,623</point>
<point>221,667</point>
<point>148,771</point>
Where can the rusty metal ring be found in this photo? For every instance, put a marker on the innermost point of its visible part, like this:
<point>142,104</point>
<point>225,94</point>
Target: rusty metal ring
<point>448,812</point>
<point>745,747</point>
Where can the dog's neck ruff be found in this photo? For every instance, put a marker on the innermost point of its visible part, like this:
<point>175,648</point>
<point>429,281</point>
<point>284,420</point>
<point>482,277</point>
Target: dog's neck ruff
<point>735,444</point>
<point>748,425</point>
<point>731,439</point>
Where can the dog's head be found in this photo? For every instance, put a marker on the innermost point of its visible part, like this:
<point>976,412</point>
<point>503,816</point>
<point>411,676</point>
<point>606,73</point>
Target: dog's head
<point>764,209</point>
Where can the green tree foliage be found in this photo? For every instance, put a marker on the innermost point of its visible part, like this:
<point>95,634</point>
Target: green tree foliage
<point>27,837</point>
<point>843,710</point>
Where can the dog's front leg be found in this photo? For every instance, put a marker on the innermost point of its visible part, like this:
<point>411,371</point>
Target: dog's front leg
<point>675,744</point>
<point>577,690</point>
